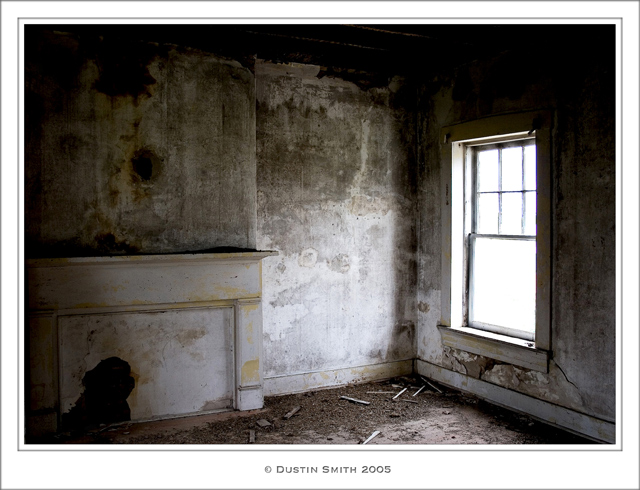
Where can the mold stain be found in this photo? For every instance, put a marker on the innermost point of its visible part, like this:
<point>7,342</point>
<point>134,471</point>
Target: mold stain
<point>138,302</point>
<point>110,244</point>
<point>308,258</point>
<point>115,289</point>
<point>340,263</point>
<point>250,371</point>
<point>123,69</point>
<point>189,337</point>
<point>249,308</point>
<point>230,292</point>
<point>423,307</point>
<point>250,333</point>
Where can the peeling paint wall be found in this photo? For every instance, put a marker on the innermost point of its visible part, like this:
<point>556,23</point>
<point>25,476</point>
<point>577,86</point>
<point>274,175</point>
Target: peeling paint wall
<point>336,198</point>
<point>578,84</point>
<point>144,148</point>
<point>136,148</point>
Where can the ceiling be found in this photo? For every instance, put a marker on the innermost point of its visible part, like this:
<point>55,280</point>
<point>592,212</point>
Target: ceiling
<point>401,49</point>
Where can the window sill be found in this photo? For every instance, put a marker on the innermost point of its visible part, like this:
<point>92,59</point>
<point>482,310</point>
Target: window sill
<point>495,346</point>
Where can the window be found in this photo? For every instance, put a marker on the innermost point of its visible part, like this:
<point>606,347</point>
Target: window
<point>501,242</point>
<point>496,249</point>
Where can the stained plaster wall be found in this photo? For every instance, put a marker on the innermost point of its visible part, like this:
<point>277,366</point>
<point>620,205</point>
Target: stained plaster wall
<point>577,84</point>
<point>136,148</point>
<point>130,148</point>
<point>336,200</point>
<point>154,150</point>
<point>150,148</point>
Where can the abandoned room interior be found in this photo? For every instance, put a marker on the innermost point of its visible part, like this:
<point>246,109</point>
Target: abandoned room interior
<point>219,215</point>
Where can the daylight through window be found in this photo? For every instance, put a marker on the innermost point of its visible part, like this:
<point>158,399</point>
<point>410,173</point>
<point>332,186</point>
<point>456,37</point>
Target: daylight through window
<point>502,238</point>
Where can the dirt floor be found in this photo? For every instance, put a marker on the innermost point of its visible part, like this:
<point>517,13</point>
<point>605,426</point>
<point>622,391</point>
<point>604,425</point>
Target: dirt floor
<point>430,417</point>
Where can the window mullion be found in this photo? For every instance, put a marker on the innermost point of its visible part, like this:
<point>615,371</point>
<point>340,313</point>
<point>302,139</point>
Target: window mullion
<point>499,190</point>
<point>473,228</point>
<point>524,204</point>
<point>474,191</point>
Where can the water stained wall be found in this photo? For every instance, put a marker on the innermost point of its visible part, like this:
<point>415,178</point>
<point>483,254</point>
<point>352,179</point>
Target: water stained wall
<point>336,199</point>
<point>576,83</point>
<point>135,148</point>
<point>143,148</point>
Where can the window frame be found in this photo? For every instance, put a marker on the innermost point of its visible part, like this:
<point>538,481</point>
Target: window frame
<point>457,193</point>
<point>471,231</point>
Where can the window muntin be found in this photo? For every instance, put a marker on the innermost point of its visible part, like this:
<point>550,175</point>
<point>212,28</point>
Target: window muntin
<point>456,192</point>
<point>502,238</point>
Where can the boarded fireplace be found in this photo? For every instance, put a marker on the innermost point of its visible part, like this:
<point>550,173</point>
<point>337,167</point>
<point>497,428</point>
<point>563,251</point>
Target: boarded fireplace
<point>182,332</point>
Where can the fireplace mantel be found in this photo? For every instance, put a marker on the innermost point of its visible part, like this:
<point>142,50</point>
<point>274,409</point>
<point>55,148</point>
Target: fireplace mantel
<point>189,325</point>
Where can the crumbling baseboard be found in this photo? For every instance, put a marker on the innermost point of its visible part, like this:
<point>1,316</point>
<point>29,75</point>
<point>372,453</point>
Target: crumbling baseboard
<point>298,383</point>
<point>564,418</point>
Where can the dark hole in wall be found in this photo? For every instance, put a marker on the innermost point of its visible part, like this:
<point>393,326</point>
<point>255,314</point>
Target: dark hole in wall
<point>104,400</point>
<point>143,166</point>
<point>144,163</point>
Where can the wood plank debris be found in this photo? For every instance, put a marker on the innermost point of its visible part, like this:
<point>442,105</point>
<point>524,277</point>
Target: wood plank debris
<point>434,387</point>
<point>419,390</point>
<point>355,400</point>
<point>375,433</point>
<point>396,386</point>
<point>381,392</point>
<point>405,389</point>
<point>409,401</point>
<point>291,413</point>
<point>431,385</point>
<point>252,436</point>
<point>263,423</point>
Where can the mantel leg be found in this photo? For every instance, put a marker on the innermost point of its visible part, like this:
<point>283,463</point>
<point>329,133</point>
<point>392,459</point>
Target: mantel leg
<point>249,382</point>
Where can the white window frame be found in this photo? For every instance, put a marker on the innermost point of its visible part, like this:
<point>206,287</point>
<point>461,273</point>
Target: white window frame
<point>456,197</point>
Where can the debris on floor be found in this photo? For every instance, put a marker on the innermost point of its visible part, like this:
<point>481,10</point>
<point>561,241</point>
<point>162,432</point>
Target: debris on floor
<point>291,413</point>
<point>400,393</point>
<point>445,416</point>
<point>355,400</point>
<point>424,379</point>
<point>371,437</point>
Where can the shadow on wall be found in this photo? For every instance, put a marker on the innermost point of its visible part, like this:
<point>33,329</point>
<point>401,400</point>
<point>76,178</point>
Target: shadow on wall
<point>104,400</point>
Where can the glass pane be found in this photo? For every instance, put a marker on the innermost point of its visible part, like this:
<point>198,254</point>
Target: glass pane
<point>511,214</point>
<point>488,170</point>
<point>530,168</point>
<point>512,169</point>
<point>487,214</point>
<point>503,284</point>
<point>530,213</point>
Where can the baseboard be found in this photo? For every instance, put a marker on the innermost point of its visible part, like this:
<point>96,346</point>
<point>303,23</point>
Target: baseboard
<point>564,418</point>
<point>297,383</point>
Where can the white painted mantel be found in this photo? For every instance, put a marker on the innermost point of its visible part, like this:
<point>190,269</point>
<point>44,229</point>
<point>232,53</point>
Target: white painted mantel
<point>189,325</point>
